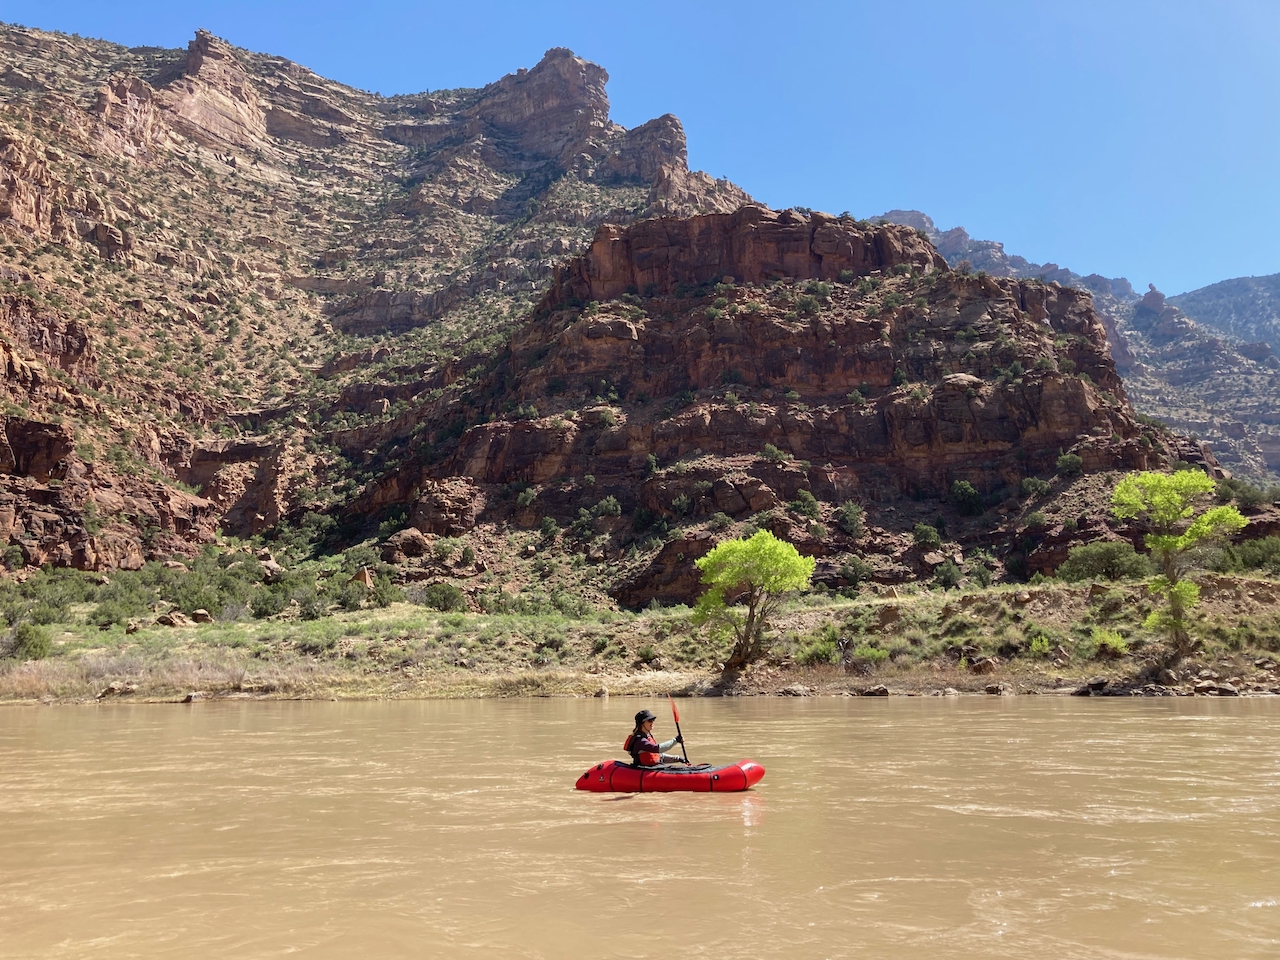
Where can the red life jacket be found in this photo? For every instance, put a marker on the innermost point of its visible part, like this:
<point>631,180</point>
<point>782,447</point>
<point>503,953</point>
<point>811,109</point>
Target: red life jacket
<point>643,758</point>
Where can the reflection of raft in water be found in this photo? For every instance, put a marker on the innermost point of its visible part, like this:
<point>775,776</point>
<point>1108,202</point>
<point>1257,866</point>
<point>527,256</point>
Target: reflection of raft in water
<point>614,776</point>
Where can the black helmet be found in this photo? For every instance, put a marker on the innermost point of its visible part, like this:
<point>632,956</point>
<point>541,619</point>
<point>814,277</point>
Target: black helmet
<point>644,715</point>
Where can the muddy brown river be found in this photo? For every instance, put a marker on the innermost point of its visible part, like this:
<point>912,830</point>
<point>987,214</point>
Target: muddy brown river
<point>973,827</point>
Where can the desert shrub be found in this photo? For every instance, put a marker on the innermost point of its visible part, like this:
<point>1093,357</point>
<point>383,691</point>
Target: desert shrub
<point>947,575</point>
<point>851,519</point>
<point>351,594</point>
<point>385,592</point>
<point>808,304</point>
<point>1070,464</point>
<point>822,648</point>
<point>268,602</point>
<point>1245,494</point>
<point>865,657</point>
<point>468,555</point>
<point>1035,520</point>
<point>608,507</point>
<point>926,535</point>
<point>773,454</point>
<point>444,549</point>
<point>1108,643</point>
<point>357,557</point>
<point>1104,560</point>
<point>1034,487</point>
<point>719,521</point>
<point>1260,554</point>
<point>855,571</point>
<point>966,498</point>
<point>805,504</point>
<point>549,528</point>
<point>311,606</point>
<point>30,642</point>
<point>110,612</point>
<point>444,597</point>
<point>526,497</point>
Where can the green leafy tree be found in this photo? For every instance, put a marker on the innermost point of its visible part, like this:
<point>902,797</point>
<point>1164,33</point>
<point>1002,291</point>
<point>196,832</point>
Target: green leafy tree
<point>760,572</point>
<point>1168,503</point>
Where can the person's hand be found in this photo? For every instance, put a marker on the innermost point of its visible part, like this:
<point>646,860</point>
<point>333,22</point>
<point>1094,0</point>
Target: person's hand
<point>679,738</point>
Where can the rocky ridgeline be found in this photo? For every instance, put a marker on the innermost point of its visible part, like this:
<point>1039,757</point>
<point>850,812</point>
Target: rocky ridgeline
<point>732,363</point>
<point>1203,383</point>
<point>1202,362</point>
<point>233,292</point>
<point>188,236</point>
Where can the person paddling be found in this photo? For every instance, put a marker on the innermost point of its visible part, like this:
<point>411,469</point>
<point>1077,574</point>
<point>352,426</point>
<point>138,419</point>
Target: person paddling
<point>646,751</point>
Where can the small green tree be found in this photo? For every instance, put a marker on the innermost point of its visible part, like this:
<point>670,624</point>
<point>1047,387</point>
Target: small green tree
<point>966,498</point>
<point>1167,501</point>
<point>851,519</point>
<point>761,571</point>
<point>926,536</point>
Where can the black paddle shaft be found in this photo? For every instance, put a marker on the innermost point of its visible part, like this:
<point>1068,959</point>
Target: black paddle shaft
<point>682,746</point>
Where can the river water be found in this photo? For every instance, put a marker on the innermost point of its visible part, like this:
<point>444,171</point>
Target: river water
<point>972,827</point>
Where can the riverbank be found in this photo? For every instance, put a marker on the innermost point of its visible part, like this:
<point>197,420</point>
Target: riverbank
<point>1049,638</point>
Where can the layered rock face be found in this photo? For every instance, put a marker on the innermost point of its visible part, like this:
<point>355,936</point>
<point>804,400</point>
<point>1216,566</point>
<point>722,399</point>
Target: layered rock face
<point>1247,308</point>
<point>754,245</point>
<point>182,231</point>
<point>1205,384</point>
<point>699,366</point>
<point>1202,362</point>
<point>966,381</point>
<point>685,367</point>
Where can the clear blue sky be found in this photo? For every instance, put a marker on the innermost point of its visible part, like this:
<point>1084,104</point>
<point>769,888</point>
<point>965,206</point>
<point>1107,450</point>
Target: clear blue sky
<point>1130,138</point>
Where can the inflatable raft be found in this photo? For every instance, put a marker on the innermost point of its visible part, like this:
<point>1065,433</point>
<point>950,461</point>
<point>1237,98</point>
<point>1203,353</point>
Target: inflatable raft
<point>615,776</point>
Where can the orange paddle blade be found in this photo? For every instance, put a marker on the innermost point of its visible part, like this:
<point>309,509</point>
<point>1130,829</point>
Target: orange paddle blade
<point>674,712</point>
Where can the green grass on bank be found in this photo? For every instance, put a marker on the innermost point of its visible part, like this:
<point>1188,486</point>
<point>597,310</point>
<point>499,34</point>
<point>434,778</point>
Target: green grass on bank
<point>1038,632</point>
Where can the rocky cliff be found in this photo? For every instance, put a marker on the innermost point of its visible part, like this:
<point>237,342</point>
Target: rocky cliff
<point>1246,308</point>
<point>1202,362</point>
<point>732,364</point>
<point>189,238</point>
<point>237,295</point>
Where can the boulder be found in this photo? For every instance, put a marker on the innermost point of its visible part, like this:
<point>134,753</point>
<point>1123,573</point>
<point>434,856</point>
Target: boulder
<point>409,542</point>
<point>447,508</point>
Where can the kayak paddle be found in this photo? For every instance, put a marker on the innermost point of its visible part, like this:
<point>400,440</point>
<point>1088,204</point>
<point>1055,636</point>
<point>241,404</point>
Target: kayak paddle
<point>676,713</point>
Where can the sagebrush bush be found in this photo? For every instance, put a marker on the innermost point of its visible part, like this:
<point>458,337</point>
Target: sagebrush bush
<point>443,597</point>
<point>805,504</point>
<point>851,519</point>
<point>1260,554</point>
<point>966,498</point>
<point>1106,560</point>
<point>31,642</point>
<point>926,535</point>
<point>1070,464</point>
<point>823,648</point>
<point>1034,487</point>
